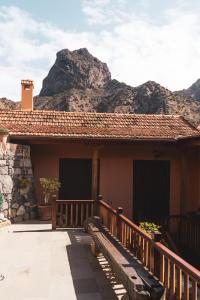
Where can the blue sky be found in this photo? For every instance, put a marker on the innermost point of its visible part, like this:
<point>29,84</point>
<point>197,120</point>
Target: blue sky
<point>66,14</point>
<point>140,40</point>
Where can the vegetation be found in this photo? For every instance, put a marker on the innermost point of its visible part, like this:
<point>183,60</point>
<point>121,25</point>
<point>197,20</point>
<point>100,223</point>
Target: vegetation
<point>149,227</point>
<point>49,186</point>
<point>24,182</point>
<point>4,131</point>
<point>1,200</point>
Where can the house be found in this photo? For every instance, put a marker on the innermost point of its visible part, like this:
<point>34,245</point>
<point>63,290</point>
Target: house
<point>149,164</point>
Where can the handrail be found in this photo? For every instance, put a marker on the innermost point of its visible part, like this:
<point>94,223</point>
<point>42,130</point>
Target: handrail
<point>192,271</point>
<point>137,228</point>
<point>176,274</point>
<point>185,232</point>
<point>103,203</point>
<point>127,221</point>
<point>71,213</point>
<point>166,251</point>
<point>74,201</point>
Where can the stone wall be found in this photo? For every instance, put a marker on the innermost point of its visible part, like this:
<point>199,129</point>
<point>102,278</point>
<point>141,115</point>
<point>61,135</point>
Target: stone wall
<point>15,164</point>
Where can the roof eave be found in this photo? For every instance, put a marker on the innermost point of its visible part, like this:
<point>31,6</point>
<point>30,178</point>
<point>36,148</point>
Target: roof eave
<point>81,137</point>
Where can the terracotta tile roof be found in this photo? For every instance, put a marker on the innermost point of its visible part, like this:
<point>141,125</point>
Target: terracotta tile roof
<point>95,125</point>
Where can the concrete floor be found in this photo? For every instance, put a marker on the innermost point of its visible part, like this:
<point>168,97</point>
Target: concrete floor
<point>40,264</point>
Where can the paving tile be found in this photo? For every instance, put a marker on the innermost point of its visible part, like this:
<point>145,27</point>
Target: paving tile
<point>39,264</point>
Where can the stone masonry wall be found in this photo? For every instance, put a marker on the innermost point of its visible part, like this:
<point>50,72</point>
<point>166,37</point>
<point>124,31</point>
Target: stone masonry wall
<point>15,163</point>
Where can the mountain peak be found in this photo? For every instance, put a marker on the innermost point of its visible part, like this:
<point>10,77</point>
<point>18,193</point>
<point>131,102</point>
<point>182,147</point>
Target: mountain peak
<point>75,69</point>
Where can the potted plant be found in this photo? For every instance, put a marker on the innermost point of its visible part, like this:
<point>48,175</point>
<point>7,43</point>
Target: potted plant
<point>3,135</point>
<point>49,186</point>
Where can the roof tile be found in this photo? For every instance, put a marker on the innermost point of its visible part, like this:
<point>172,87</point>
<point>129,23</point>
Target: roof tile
<point>95,125</point>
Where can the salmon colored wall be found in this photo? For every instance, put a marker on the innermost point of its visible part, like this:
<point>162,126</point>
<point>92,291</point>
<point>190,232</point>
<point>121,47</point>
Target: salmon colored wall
<point>193,179</point>
<point>175,187</point>
<point>117,173</point>
<point>116,182</point>
<point>116,170</point>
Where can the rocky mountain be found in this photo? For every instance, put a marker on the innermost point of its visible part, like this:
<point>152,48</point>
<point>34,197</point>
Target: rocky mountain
<point>7,104</point>
<point>193,92</point>
<point>77,69</point>
<point>80,82</point>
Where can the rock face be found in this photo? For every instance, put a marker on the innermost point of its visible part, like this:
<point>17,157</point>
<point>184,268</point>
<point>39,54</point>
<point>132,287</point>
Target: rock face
<point>7,104</point>
<point>80,82</point>
<point>77,69</point>
<point>15,162</point>
<point>192,92</point>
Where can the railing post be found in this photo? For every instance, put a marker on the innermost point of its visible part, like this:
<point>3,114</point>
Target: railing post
<point>96,205</point>
<point>54,212</point>
<point>119,211</point>
<point>156,263</point>
<point>95,156</point>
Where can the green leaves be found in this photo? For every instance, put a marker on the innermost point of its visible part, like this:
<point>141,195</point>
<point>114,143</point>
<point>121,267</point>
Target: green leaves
<point>149,227</point>
<point>4,131</point>
<point>49,186</point>
<point>1,200</point>
<point>24,182</point>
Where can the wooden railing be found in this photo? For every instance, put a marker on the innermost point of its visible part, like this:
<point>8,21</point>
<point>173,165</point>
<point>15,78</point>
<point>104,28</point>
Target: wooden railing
<point>71,213</point>
<point>180,279</point>
<point>187,232</point>
<point>184,229</point>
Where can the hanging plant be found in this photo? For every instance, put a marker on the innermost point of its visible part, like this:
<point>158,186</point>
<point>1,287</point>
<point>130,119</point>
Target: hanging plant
<point>4,131</point>
<point>24,182</point>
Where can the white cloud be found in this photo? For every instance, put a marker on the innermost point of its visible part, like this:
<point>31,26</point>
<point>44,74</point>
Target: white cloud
<point>104,12</point>
<point>135,49</point>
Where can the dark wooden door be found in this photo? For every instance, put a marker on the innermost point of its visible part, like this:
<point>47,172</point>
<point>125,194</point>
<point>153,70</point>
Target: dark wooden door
<point>151,189</point>
<point>76,179</point>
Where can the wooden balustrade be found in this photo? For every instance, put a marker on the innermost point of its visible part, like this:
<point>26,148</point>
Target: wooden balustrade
<point>188,232</point>
<point>71,213</point>
<point>180,279</point>
<point>184,230</point>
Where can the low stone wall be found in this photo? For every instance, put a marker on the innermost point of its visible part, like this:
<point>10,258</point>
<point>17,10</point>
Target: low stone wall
<point>15,164</point>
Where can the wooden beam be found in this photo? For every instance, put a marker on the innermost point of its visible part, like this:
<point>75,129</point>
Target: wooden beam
<point>54,212</point>
<point>183,203</point>
<point>95,156</point>
<point>193,143</point>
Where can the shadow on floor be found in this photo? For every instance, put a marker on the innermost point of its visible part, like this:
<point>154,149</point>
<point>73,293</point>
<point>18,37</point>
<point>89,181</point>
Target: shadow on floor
<point>93,278</point>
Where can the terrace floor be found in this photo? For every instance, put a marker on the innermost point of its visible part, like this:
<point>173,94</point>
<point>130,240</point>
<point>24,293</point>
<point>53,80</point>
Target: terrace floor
<point>39,264</point>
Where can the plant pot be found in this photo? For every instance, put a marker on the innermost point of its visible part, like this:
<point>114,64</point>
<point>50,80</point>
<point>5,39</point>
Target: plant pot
<point>44,212</point>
